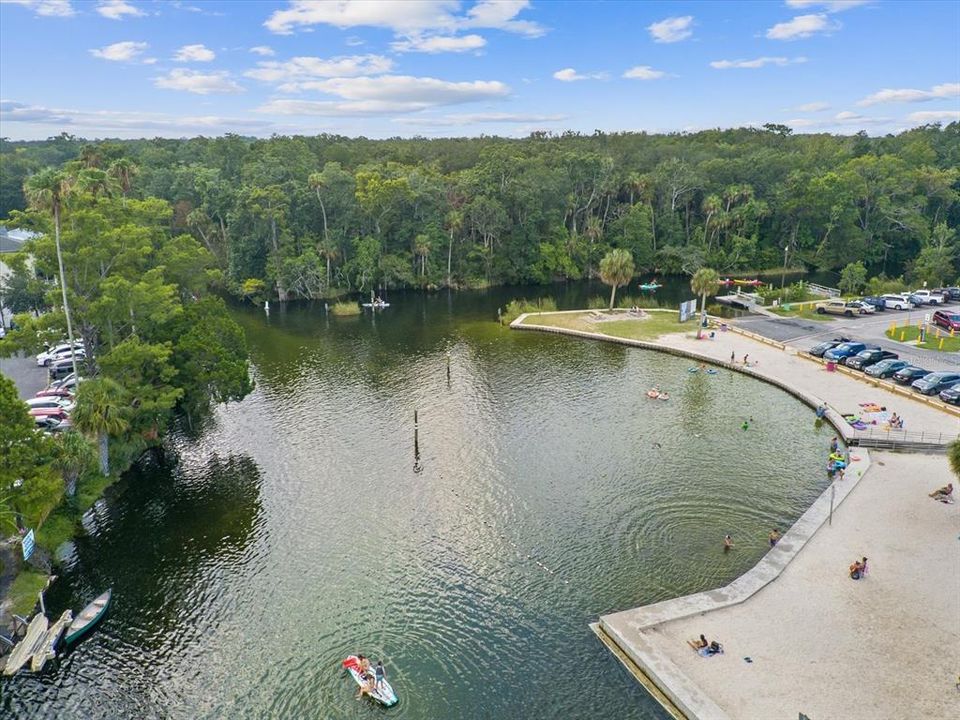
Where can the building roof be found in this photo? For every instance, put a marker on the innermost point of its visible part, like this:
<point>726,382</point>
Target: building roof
<point>12,240</point>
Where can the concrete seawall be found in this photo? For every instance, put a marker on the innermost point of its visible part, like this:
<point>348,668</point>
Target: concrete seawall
<point>650,639</point>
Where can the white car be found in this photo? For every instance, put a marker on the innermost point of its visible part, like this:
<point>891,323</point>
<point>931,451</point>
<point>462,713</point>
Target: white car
<point>50,401</point>
<point>929,297</point>
<point>898,302</point>
<point>59,351</point>
<point>864,308</point>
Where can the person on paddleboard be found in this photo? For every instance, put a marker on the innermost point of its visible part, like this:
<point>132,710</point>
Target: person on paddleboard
<point>379,673</point>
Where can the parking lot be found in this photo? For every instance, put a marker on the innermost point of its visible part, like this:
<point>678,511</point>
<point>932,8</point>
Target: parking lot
<point>803,334</point>
<point>29,377</point>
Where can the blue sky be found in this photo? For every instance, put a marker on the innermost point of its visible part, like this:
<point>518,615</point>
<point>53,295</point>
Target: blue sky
<point>381,68</point>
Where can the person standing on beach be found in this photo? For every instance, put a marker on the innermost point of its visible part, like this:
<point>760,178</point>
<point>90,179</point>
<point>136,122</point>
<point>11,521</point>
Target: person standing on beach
<point>733,357</point>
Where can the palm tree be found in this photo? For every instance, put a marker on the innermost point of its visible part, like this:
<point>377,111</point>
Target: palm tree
<point>454,226</point>
<point>616,269</point>
<point>711,206</point>
<point>594,231</point>
<point>421,249</point>
<point>329,251</point>
<point>102,411</point>
<point>95,181</point>
<point>317,183</point>
<point>705,281</point>
<point>74,455</point>
<point>45,191</point>
<point>123,170</point>
<point>953,457</point>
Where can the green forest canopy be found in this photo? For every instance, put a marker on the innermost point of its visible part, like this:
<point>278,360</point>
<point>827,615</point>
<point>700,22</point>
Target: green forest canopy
<point>313,216</point>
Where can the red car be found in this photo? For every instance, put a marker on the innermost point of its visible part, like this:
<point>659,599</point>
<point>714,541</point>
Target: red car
<point>58,413</point>
<point>949,320</point>
<point>55,392</point>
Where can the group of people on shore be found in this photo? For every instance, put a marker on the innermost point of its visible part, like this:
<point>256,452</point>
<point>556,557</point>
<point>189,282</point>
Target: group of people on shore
<point>705,648</point>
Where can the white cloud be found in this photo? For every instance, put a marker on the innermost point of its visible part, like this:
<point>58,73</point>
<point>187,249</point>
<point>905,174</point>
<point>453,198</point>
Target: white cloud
<point>47,8</point>
<point>459,119</point>
<point>831,6</point>
<point>128,124</point>
<point>813,107</point>
<point>199,83</point>
<point>643,72</point>
<point>116,9</point>
<point>571,75</point>
<point>300,68</point>
<point>263,51</point>
<point>802,26</point>
<point>439,44</point>
<point>756,62</point>
<point>404,18</point>
<point>121,51</point>
<point>194,53</point>
<point>386,94</point>
<point>672,29</point>
<point>937,92</point>
<point>932,116</point>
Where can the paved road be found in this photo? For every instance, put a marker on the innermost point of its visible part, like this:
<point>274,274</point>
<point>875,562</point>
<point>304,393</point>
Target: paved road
<point>29,377</point>
<point>803,334</point>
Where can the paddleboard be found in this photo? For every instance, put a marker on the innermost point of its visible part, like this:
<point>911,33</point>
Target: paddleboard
<point>383,694</point>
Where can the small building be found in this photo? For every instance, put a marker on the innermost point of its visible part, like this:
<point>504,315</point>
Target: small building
<point>11,241</point>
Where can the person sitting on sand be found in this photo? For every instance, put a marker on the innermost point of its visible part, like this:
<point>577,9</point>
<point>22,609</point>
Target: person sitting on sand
<point>944,493</point>
<point>856,570</point>
<point>896,421</point>
<point>699,643</point>
<point>715,648</point>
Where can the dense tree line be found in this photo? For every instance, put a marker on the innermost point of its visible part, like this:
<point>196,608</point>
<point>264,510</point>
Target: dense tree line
<point>297,217</point>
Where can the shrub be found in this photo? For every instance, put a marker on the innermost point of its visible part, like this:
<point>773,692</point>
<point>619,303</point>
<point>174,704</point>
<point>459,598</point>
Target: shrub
<point>516,308</point>
<point>345,309</point>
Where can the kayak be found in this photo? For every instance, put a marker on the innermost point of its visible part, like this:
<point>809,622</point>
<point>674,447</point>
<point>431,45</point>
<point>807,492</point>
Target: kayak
<point>32,641</point>
<point>48,649</point>
<point>376,306</point>
<point>383,694</point>
<point>88,617</point>
<point>650,286</point>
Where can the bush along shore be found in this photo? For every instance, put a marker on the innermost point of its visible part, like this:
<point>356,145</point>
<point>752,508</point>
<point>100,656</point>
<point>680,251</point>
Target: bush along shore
<point>141,300</point>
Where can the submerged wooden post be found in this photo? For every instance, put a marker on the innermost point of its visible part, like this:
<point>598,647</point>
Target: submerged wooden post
<point>416,443</point>
<point>448,367</point>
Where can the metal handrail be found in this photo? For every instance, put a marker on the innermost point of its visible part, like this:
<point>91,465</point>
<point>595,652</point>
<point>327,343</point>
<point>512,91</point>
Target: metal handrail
<point>894,435</point>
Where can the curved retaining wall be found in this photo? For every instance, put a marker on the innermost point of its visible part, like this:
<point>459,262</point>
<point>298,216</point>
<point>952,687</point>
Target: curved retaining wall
<point>625,628</point>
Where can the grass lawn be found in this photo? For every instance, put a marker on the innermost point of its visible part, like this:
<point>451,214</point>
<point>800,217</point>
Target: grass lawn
<point>651,328</point>
<point>912,332</point>
<point>23,591</point>
<point>807,313</point>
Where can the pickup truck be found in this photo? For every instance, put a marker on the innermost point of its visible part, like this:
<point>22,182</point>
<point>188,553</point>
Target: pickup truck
<point>929,297</point>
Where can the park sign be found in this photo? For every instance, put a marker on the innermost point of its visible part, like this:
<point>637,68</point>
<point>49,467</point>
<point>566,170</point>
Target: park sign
<point>687,310</point>
<point>28,545</point>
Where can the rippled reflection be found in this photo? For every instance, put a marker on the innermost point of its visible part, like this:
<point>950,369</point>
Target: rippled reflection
<point>293,531</point>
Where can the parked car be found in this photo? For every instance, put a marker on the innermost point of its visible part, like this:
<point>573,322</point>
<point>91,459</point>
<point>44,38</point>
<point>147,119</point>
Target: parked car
<point>907,375</point>
<point>848,349</point>
<point>898,302</point>
<point>57,351</point>
<point>951,394</point>
<point>886,368</point>
<point>61,368</point>
<point>58,413</point>
<point>44,422</point>
<point>929,297</point>
<point>820,348</point>
<point>878,302</point>
<point>947,319</point>
<point>841,307</point>
<point>869,357</point>
<point>56,392</point>
<point>951,293</point>
<point>864,308</point>
<point>50,401</point>
<point>935,382</point>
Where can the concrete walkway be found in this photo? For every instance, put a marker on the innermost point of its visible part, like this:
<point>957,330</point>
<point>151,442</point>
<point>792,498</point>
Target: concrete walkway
<point>819,643</point>
<point>842,392</point>
<point>885,648</point>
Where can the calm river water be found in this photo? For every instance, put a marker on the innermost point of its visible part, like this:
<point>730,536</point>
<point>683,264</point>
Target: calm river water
<point>293,530</point>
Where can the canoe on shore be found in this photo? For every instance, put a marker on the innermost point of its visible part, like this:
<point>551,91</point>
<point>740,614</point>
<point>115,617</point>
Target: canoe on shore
<point>48,647</point>
<point>88,617</point>
<point>32,641</point>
